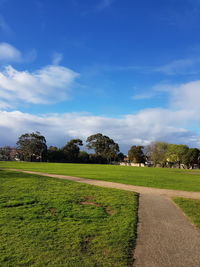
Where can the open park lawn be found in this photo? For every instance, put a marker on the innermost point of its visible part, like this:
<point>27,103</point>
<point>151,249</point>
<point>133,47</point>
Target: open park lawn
<point>151,177</point>
<point>50,222</point>
<point>191,207</point>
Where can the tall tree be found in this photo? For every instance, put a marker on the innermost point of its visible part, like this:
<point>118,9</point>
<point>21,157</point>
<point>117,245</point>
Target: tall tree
<point>55,154</point>
<point>136,155</point>
<point>32,146</point>
<point>71,150</point>
<point>103,146</point>
<point>156,152</point>
<point>176,153</point>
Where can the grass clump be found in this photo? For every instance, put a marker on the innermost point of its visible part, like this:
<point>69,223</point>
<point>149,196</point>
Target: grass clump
<point>191,207</point>
<point>50,222</point>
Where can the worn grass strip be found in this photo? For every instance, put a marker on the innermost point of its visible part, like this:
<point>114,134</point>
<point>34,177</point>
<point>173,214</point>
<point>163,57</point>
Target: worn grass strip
<point>50,222</point>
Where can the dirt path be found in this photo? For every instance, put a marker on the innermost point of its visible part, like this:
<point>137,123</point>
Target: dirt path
<point>166,238</point>
<point>138,189</point>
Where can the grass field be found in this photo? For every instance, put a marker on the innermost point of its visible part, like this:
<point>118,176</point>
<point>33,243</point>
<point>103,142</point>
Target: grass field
<point>50,222</point>
<point>151,177</point>
<point>191,207</point>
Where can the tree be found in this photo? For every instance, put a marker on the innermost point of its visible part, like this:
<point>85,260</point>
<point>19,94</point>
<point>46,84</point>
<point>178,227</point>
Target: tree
<point>136,155</point>
<point>71,150</point>
<point>120,156</point>
<point>97,159</point>
<point>103,146</point>
<point>32,146</point>
<point>55,154</point>
<point>156,152</point>
<point>5,153</point>
<point>83,157</point>
<point>176,153</point>
<point>191,158</point>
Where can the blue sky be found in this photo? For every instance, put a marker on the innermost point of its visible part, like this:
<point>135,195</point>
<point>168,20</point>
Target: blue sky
<point>128,69</point>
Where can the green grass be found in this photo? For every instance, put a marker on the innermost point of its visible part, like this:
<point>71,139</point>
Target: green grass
<point>191,207</point>
<point>50,222</point>
<point>150,177</point>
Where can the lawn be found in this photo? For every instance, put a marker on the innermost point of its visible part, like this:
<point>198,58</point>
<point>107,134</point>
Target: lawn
<point>151,177</point>
<point>50,222</point>
<point>191,207</point>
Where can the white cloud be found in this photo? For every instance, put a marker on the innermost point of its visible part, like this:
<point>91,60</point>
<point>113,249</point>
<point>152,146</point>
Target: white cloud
<point>186,96</point>
<point>143,96</point>
<point>181,97</point>
<point>183,66</point>
<point>140,128</point>
<point>9,53</point>
<point>46,85</point>
<point>57,58</point>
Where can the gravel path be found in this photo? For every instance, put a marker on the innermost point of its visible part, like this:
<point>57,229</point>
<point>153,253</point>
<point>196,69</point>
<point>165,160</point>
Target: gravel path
<point>165,236</point>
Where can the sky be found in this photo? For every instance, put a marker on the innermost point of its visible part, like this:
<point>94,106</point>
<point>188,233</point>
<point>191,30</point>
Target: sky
<point>129,69</point>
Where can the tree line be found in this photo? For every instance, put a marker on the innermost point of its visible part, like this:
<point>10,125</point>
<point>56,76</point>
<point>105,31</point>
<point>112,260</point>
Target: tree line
<point>33,147</point>
<point>161,154</point>
<point>169,155</point>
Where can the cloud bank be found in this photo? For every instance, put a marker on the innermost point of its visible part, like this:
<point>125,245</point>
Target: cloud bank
<point>141,128</point>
